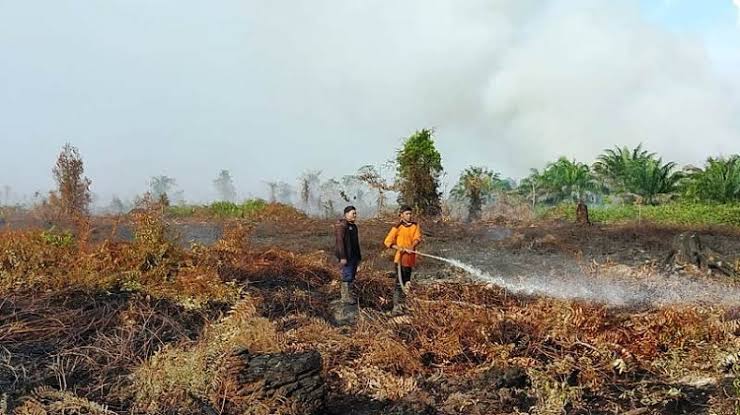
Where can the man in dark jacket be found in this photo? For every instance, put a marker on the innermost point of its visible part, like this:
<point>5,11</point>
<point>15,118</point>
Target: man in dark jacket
<point>348,251</point>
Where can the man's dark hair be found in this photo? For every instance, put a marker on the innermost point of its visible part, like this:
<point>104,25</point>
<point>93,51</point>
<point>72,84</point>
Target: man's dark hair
<point>348,209</point>
<point>405,208</point>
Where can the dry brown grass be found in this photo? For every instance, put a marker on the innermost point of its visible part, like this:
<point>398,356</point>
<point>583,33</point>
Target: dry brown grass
<point>147,327</point>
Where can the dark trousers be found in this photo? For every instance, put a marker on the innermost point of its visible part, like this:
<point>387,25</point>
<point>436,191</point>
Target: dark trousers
<point>399,297</point>
<point>405,274</point>
<point>349,270</point>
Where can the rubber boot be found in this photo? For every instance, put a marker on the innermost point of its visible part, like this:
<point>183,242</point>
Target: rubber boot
<point>347,297</point>
<point>398,302</point>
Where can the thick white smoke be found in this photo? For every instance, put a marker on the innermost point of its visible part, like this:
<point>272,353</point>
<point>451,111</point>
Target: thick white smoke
<point>589,75</point>
<point>512,83</point>
<point>269,89</point>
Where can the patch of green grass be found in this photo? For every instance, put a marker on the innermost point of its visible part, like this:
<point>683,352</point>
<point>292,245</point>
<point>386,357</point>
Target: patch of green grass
<point>246,209</point>
<point>183,211</point>
<point>672,213</point>
<point>226,210</point>
<point>232,210</point>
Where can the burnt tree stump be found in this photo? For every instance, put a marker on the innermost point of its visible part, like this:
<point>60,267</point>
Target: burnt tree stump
<point>687,249</point>
<point>582,214</point>
<point>291,380</point>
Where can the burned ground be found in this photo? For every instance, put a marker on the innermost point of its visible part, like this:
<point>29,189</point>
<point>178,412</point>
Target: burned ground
<point>84,325</point>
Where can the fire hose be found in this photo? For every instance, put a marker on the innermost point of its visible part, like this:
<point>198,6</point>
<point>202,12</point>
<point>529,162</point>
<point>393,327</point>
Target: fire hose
<point>398,268</point>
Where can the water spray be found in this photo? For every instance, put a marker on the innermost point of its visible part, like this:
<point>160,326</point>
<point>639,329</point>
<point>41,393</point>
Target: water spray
<point>657,290</point>
<point>528,287</point>
<point>455,263</point>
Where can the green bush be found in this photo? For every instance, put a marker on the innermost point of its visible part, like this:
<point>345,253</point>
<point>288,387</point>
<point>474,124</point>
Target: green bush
<point>63,239</point>
<point>253,207</point>
<point>419,166</point>
<point>226,210</point>
<point>246,209</point>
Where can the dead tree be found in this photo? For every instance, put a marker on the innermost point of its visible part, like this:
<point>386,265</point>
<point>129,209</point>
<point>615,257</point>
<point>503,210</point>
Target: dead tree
<point>687,249</point>
<point>374,180</point>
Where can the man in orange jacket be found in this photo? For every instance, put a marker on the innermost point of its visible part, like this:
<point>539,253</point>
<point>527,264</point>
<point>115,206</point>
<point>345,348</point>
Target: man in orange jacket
<point>404,238</point>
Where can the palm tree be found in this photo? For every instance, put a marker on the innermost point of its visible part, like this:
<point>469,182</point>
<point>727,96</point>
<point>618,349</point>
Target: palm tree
<point>565,179</point>
<point>650,178</point>
<point>613,166</point>
<point>637,172</point>
<point>719,181</point>
<point>478,185</point>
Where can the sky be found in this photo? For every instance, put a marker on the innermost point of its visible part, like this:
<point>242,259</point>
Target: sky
<point>269,89</point>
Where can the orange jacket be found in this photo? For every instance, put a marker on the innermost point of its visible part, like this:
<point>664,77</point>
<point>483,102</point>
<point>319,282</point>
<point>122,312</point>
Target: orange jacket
<point>404,235</point>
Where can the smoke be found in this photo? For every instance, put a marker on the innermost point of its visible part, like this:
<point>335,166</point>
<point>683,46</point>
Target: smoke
<point>587,78</point>
<point>270,89</point>
<point>615,289</point>
<point>511,84</point>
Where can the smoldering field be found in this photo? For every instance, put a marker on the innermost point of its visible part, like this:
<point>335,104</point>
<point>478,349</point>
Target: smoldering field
<point>544,317</point>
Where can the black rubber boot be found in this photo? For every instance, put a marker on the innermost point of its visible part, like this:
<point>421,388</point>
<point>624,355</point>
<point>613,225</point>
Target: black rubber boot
<point>399,299</point>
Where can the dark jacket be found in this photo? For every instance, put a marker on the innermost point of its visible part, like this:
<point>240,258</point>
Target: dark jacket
<point>347,237</point>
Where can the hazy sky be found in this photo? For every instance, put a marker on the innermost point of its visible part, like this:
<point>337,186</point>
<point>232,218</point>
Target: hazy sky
<point>270,88</point>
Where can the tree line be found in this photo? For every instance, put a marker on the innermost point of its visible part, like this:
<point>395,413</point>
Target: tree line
<point>619,174</point>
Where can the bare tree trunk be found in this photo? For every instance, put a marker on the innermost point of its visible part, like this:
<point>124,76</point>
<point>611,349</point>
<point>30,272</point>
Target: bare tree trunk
<point>474,210</point>
<point>534,197</point>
